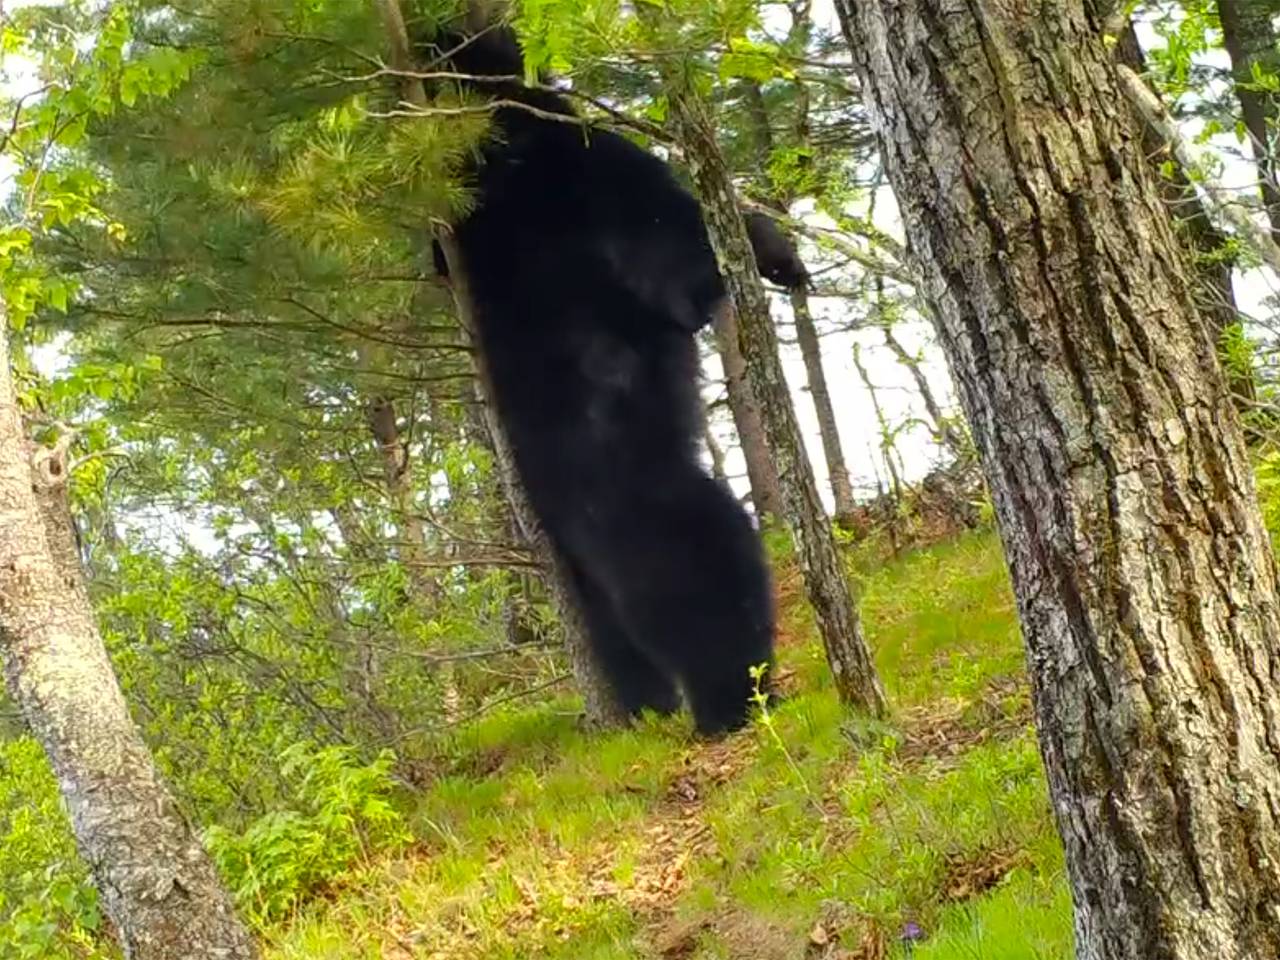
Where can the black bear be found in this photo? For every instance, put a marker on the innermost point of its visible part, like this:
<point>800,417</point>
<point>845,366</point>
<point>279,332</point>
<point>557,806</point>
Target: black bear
<point>590,271</point>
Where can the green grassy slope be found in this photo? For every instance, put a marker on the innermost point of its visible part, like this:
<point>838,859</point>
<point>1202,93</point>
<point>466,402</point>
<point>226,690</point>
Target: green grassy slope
<point>813,834</point>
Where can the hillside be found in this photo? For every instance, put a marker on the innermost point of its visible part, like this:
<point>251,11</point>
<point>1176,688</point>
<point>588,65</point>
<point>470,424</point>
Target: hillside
<point>810,835</point>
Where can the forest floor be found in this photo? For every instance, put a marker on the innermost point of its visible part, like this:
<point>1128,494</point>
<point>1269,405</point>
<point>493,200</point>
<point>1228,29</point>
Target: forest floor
<point>812,834</point>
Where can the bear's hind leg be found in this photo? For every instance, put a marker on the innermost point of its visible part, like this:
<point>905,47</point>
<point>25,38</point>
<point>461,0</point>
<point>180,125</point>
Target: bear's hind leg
<point>694,592</point>
<point>638,682</point>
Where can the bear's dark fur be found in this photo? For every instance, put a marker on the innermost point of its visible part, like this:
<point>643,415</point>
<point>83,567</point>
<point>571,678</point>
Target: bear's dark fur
<point>590,271</point>
<point>776,254</point>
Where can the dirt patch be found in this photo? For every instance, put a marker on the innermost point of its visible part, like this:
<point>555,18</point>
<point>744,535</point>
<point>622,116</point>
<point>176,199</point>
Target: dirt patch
<point>712,765</point>
<point>946,729</point>
<point>675,836</point>
<point>676,833</point>
<point>973,875</point>
<point>793,627</point>
<point>481,763</point>
<point>746,937</point>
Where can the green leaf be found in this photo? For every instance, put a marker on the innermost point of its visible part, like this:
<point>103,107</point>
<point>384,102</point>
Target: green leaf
<point>56,293</point>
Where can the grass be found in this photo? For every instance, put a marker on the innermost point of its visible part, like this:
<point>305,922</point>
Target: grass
<point>813,834</point>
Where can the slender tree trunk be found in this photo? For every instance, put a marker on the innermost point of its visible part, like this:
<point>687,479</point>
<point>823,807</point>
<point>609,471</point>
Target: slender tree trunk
<point>1248,33</point>
<point>363,668</point>
<point>833,452</point>
<point>824,575</point>
<point>716,454</point>
<point>1124,495</point>
<point>882,422</point>
<point>519,621</point>
<point>762,475</point>
<point>157,884</point>
<point>600,705</point>
<point>411,545</point>
<point>806,331</point>
<point>950,437</point>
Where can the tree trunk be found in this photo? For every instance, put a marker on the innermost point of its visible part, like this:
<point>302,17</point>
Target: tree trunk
<point>1124,495</point>
<point>519,620</point>
<point>1248,33</point>
<point>882,422</point>
<point>762,475</point>
<point>806,332</point>
<point>716,454</point>
<point>811,352</point>
<point>824,575</point>
<point>157,884</point>
<point>1215,295</point>
<point>946,432</point>
<point>411,542</point>
<point>600,705</point>
<point>411,545</point>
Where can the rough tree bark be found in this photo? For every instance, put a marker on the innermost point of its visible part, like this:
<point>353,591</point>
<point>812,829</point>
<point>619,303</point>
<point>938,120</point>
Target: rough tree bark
<point>824,576</point>
<point>1144,579</point>
<point>1248,33</point>
<point>600,705</point>
<point>157,884</point>
<point>762,475</point>
<point>1214,292</point>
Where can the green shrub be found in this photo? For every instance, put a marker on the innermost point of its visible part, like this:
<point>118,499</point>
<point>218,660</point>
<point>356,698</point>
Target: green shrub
<point>48,909</point>
<point>1267,471</point>
<point>342,812</point>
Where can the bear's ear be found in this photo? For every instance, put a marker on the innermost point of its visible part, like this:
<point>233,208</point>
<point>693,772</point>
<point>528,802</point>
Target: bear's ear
<point>480,43</point>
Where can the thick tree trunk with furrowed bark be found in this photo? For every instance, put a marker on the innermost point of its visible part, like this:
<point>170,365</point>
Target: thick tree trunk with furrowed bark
<point>1145,582</point>
<point>157,884</point>
<point>824,576</point>
<point>1214,293</point>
